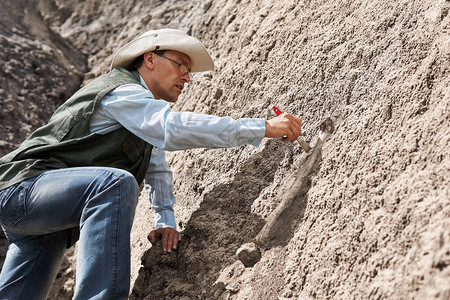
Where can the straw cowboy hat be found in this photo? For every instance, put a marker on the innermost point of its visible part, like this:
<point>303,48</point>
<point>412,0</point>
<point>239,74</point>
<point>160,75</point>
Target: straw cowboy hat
<point>165,39</point>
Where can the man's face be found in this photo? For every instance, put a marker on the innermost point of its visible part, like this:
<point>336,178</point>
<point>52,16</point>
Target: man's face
<point>168,74</point>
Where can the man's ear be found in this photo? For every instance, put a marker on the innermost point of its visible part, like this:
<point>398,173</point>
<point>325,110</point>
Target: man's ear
<point>148,59</point>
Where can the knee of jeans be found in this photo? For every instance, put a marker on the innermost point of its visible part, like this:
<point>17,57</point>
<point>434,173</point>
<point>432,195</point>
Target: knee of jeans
<point>130,185</point>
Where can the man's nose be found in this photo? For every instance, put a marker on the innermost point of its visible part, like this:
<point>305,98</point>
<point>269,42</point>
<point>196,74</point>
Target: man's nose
<point>186,78</point>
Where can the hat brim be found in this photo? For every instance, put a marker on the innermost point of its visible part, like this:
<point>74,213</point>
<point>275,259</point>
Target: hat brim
<point>165,39</point>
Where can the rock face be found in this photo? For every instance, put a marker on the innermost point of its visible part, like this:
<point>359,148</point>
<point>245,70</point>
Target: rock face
<point>372,216</point>
<point>39,71</point>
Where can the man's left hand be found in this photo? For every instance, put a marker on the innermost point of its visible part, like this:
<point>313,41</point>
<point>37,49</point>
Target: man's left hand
<point>170,238</point>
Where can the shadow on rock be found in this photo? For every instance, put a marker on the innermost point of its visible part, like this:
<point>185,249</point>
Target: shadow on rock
<point>214,232</point>
<point>280,226</point>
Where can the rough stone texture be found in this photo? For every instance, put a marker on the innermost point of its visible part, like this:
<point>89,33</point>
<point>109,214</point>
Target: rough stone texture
<point>373,218</point>
<point>39,71</point>
<point>249,254</point>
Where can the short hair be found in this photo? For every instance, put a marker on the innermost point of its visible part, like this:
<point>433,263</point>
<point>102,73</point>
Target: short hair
<point>137,62</point>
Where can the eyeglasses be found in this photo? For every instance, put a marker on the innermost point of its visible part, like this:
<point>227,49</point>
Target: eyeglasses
<point>181,67</point>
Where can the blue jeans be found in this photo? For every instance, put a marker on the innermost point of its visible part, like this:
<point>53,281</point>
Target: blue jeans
<point>37,215</point>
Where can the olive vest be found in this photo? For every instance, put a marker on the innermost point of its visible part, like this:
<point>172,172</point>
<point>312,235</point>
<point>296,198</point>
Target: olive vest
<point>65,141</point>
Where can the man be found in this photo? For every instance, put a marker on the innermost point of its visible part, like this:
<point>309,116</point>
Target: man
<point>80,173</point>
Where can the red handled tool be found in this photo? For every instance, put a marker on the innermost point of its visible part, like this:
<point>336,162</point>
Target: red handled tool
<point>303,143</point>
<point>276,110</point>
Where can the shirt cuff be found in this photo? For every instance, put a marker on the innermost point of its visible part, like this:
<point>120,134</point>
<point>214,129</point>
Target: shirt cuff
<point>165,218</point>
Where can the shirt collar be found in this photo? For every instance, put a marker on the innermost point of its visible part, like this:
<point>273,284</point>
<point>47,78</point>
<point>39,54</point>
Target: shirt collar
<point>143,82</point>
<point>145,85</point>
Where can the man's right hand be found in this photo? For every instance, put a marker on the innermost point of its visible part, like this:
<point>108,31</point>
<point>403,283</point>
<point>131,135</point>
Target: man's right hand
<point>285,125</point>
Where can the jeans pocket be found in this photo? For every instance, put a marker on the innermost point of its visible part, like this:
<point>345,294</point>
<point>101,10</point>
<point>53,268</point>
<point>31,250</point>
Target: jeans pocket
<point>12,205</point>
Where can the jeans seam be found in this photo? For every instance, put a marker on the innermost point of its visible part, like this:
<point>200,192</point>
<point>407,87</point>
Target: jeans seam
<point>34,264</point>
<point>115,242</point>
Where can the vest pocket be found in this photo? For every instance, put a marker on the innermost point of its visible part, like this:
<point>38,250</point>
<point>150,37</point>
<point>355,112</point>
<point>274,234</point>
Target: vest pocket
<point>12,205</point>
<point>132,148</point>
<point>64,123</point>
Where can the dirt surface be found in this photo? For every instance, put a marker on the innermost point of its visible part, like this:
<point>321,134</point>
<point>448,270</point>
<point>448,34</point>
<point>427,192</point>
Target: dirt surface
<point>364,215</point>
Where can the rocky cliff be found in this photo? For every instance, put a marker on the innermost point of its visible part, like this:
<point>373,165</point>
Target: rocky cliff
<point>364,215</point>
